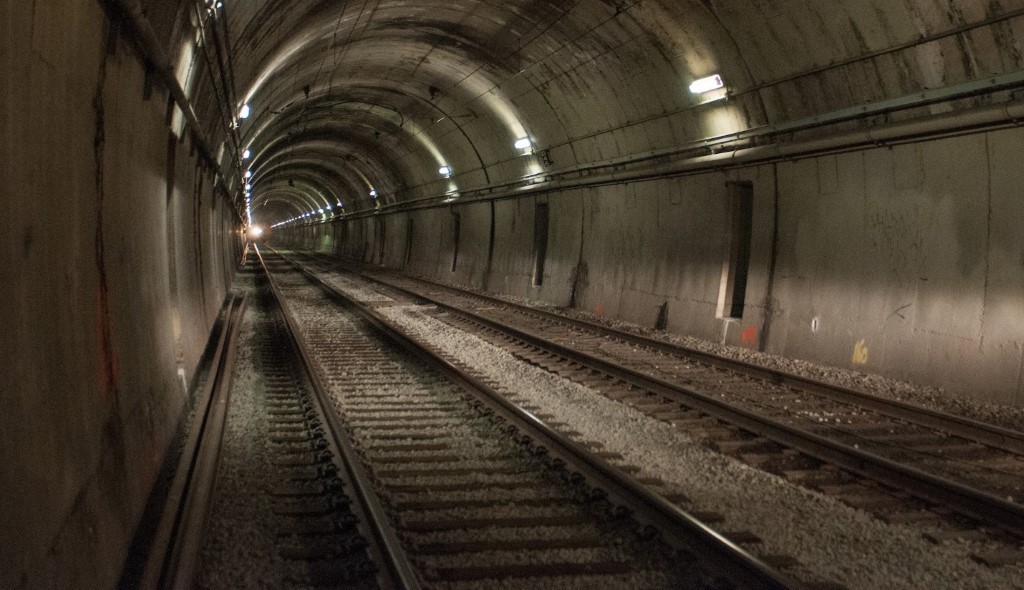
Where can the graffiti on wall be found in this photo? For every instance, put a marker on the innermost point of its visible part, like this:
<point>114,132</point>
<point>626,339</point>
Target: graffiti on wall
<point>860,352</point>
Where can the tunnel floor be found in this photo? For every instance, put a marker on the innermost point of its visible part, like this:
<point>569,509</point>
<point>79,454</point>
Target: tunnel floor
<point>801,516</point>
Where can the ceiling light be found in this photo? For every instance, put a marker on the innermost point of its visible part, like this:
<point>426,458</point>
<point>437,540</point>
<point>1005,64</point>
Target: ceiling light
<point>244,112</point>
<point>523,143</point>
<point>373,193</point>
<point>445,171</point>
<point>246,155</point>
<point>248,173</point>
<point>707,84</point>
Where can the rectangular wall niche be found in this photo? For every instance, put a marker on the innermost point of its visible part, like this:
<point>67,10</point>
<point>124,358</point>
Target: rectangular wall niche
<point>456,230</point>
<point>736,265</point>
<point>540,242</point>
<point>408,241</point>
<point>381,230</point>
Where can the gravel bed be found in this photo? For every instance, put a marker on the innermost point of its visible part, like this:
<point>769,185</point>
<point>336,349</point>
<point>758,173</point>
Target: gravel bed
<point>936,398</point>
<point>832,540</point>
<point>238,549</point>
<point>355,290</point>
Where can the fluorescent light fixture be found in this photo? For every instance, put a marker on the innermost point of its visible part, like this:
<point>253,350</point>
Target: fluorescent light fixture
<point>244,112</point>
<point>246,155</point>
<point>445,171</point>
<point>523,143</point>
<point>707,84</point>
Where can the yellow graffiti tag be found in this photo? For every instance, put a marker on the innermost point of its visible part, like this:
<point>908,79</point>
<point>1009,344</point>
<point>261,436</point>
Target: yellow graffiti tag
<point>860,353</point>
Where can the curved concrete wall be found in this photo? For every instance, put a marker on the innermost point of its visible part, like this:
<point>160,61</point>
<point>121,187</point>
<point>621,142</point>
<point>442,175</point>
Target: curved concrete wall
<point>117,247</point>
<point>902,260</point>
<point>116,257</point>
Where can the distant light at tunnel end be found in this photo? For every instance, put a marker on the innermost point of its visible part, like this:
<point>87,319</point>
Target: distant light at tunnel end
<point>255,232</point>
<point>707,84</point>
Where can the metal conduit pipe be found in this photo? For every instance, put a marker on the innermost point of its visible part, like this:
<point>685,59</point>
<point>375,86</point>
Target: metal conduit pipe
<point>988,117</point>
<point>154,53</point>
<point>1011,113</point>
<point>1011,81</point>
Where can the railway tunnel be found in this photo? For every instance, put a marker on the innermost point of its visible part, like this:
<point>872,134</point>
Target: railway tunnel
<point>833,182</point>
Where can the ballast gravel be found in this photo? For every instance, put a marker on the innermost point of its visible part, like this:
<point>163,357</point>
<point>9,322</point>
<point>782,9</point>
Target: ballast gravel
<point>238,549</point>
<point>954,402</point>
<point>354,289</point>
<point>831,540</point>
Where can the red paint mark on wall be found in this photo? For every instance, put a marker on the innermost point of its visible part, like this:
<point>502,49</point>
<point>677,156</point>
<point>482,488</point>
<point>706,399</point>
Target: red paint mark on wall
<point>749,336</point>
<point>599,309</point>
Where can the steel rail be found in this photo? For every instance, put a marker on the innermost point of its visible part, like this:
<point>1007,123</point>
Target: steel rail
<point>981,432</point>
<point>649,508</point>
<point>966,500</point>
<point>174,553</point>
<point>397,572</point>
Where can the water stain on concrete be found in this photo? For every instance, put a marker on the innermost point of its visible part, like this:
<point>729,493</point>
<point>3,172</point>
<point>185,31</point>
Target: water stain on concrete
<point>27,239</point>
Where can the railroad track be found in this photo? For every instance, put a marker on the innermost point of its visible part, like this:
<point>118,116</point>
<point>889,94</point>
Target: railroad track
<point>902,463</point>
<point>482,493</point>
<point>266,493</point>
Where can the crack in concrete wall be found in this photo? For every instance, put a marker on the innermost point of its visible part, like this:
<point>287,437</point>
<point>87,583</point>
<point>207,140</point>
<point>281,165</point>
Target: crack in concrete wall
<point>108,361</point>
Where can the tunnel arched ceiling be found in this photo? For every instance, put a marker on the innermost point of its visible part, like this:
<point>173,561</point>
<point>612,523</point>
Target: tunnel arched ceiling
<point>380,94</point>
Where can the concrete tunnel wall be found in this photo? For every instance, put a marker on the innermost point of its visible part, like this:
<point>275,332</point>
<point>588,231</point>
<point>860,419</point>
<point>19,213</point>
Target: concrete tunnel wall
<point>897,255</point>
<point>117,253</point>
<point>118,248</point>
<point>907,259</point>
